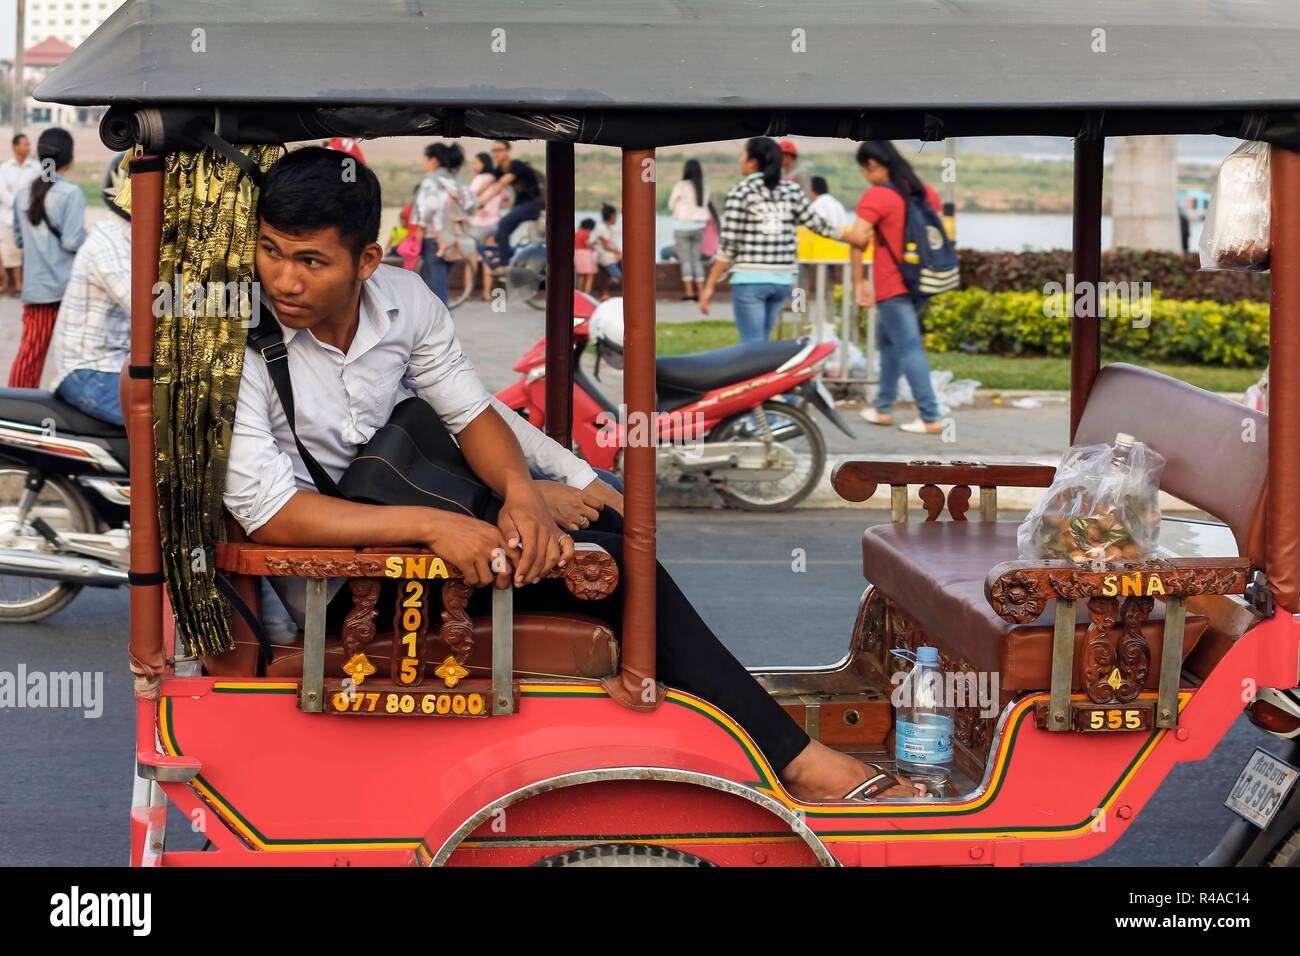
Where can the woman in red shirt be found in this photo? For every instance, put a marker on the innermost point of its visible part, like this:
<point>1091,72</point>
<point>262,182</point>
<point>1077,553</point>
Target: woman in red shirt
<point>882,212</point>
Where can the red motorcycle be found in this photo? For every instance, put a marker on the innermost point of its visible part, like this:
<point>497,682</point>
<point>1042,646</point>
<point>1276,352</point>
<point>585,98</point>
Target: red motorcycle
<point>736,418</point>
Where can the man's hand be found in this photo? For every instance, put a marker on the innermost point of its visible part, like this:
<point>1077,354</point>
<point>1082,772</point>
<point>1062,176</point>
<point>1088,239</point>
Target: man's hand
<point>605,494</point>
<point>535,542</point>
<point>572,508</point>
<point>865,296</point>
<point>473,546</point>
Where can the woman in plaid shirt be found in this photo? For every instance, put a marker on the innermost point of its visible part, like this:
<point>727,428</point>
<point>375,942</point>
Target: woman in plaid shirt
<point>758,240</point>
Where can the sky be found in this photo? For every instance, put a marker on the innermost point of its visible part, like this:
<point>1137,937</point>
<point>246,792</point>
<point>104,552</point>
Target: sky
<point>8,18</point>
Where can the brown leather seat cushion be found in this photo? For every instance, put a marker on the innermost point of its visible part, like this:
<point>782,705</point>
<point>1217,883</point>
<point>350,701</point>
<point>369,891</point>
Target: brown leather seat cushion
<point>546,644</point>
<point>935,571</point>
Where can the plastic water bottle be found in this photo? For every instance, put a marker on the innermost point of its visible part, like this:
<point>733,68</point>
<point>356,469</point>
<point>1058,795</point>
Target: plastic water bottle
<point>924,730</point>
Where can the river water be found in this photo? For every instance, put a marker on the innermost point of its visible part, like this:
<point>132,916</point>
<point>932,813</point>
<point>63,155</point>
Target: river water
<point>1012,232</point>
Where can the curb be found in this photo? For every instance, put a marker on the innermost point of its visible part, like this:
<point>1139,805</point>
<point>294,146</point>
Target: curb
<point>824,496</point>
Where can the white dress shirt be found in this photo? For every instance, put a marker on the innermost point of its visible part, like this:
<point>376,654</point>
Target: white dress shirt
<point>405,340</point>
<point>13,178</point>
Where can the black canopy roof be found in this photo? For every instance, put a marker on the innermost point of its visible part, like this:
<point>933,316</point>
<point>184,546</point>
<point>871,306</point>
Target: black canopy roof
<point>653,72</point>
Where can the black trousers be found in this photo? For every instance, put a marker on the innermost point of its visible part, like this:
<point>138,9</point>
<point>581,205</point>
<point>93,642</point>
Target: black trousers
<point>688,655</point>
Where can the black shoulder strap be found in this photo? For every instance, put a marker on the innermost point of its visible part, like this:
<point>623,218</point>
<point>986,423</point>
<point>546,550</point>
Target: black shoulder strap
<point>879,234</point>
<point>268,339</point>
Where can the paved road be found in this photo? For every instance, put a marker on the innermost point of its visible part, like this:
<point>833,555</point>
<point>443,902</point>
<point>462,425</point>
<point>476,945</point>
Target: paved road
<point>66,783</point>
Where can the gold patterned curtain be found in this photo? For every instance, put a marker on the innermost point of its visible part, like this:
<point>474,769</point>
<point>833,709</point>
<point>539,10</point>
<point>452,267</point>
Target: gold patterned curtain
<point>202,304</point>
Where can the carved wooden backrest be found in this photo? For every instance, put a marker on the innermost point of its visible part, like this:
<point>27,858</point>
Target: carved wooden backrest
<point>1215,450</point>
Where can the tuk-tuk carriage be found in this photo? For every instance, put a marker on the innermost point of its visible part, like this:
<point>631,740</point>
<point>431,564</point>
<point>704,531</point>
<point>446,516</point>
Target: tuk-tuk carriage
<point>515,741</point>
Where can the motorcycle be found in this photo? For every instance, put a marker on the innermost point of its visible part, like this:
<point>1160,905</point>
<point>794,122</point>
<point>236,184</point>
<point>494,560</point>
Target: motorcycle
<point>736,418</point>
<point>65,496</point>
<point>1265,796</point>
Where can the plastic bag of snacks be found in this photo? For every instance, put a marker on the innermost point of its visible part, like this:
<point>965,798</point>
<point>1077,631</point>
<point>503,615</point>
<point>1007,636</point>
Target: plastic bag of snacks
<point>1103,506</point>
<point>1236,235</point>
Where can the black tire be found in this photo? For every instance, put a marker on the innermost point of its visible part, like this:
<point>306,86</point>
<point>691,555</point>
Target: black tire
<point>23,599</point>
<point>469,267</point>
<point>624,854</point>
<point>538,299</point>
<point>744,494</point>
<point>1288,851</point>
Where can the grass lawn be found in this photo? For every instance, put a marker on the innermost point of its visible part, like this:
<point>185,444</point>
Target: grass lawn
<point>991,371</point>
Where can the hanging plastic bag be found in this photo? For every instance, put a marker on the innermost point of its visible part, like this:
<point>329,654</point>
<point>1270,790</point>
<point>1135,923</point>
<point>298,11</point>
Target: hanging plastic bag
<point>1236,235</point>
<point>1103,506</point>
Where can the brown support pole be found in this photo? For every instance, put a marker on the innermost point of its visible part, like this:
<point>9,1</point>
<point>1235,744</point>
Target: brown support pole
<point>635,685</point>
<point>147,655</point>
<point>1282,528</point>
<point>1085,327</point>
<point>559,292</point>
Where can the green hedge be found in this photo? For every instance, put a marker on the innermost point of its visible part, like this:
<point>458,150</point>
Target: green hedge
<point>1172,274</point>
<point>1233,335</point>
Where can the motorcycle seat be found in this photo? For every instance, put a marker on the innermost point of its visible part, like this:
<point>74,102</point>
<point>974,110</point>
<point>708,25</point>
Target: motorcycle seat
<point>34,406</point>
<point>703,371</point>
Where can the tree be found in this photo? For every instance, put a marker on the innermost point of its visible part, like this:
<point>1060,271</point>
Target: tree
<point>1144,205</point>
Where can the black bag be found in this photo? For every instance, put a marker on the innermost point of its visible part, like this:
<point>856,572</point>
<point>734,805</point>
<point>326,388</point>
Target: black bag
<point>411,460</point>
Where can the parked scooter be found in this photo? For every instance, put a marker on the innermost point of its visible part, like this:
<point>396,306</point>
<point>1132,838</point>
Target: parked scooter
<point>64,504</point>
<point>1265,794</point>
<point>736,418</point>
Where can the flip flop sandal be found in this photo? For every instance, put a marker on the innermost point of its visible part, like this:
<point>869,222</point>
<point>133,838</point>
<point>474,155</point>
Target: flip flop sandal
<point>879,783</point>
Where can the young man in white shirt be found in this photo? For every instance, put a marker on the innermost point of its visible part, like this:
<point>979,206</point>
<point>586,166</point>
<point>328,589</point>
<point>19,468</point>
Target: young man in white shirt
<point>14,175</point>
<point>355,330</point>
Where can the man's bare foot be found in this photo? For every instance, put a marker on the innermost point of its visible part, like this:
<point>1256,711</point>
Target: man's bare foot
<point>820,775</point>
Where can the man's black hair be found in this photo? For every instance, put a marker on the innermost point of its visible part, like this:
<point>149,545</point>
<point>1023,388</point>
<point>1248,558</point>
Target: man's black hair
<point>587,223</point>
<point>316,188</point>
<point>608,212</point>
<point>17,137</point>
<point>819,185</point>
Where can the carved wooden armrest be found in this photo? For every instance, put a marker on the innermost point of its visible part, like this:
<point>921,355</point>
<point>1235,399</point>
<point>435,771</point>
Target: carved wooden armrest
<point>1115,669</point>
<point>1019,591</point>
<point>857,479</point>
<point>590,576</point>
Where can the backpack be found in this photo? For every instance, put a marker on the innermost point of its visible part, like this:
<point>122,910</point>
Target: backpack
<point>929,264</point>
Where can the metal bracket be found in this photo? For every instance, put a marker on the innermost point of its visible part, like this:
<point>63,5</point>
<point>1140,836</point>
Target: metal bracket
<point>1058,714</point>
<point>503,651</point>
<point>1259,594</point>
<point>313,649</point>
<point>1171,662</point>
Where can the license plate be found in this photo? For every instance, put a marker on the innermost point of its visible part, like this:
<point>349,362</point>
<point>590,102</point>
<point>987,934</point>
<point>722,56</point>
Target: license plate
<point>1262,787</point>
<point>1104,718</point>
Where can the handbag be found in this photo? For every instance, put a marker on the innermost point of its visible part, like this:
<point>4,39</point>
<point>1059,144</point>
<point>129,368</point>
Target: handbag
<point>709,241</point>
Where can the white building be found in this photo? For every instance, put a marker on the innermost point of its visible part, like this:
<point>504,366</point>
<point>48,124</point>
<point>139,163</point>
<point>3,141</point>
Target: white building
<point>69,20</point>
<point>53,28</point>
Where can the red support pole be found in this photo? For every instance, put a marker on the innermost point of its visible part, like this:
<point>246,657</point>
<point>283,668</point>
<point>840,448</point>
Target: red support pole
<point>559,292</point>
<point>635,685</point>
<point>147,655</point>
<point>1085,330</point>
<point>1282,526</point>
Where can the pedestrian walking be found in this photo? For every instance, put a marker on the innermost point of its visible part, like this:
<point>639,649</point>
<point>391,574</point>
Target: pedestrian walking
<point>440,218</point>
<point>793,169</point>
<point>758,242</point>
<point>15,173</point>
<point>882,212</point>
<point>49,225</point>
<point>92,338</point>
<point>609,257</point>
<point>689,205</point>
<point>584,257</point>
